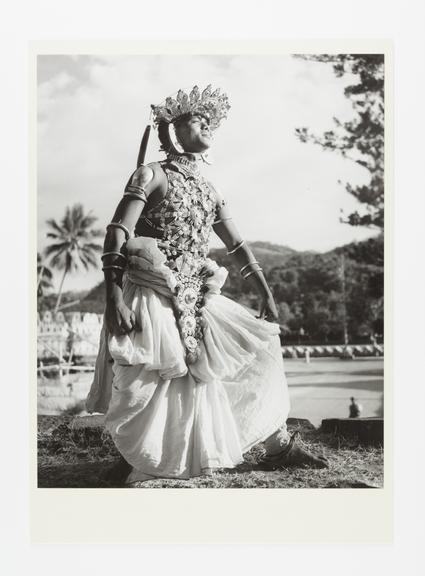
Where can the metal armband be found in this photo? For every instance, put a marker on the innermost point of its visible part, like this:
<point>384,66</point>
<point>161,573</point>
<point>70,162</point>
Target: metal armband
<point>121,227</point>
<point>137,192</point>
<point>236,248</point>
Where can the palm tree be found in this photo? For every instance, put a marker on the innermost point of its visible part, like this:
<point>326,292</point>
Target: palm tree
<point>44,277</point>
<point>75,243</point>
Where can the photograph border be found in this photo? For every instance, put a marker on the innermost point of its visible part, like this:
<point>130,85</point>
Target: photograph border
<point>215,515</point>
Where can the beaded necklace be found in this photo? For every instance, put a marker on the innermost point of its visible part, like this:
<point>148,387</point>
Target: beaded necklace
<point>186,165</point>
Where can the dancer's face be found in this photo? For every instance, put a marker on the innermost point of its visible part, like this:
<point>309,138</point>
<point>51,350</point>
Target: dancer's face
<point>194,133</point>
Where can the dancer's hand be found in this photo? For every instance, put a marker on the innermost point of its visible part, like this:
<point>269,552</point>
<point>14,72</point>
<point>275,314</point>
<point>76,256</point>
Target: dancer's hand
<point>268,309</point>
<point>119,318</point>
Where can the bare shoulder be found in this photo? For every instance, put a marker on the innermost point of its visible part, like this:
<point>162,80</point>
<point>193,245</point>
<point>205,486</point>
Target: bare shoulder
<point>142,176</point>
<point>148,177</point>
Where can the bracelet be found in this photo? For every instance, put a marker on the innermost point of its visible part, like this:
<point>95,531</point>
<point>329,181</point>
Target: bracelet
<point>135,195</point>
<point>247,265</point>
<point>112,266</point>
<point>113,253</point>
<point>121,227</point>
<point>134,188</point>
<point>222,220</point>
<point>236,248</point>
<point>252,272</point>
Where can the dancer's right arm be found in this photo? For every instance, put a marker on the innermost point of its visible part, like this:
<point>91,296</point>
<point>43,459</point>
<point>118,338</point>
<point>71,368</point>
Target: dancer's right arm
<point>119,319</point>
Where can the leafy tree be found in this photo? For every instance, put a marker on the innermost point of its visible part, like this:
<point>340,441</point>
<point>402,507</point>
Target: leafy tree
<point>364,285</point>
<point>75,243</point>
<point>311,286</point>
<point>369,251</point>
<point>285,315</point>
<point>362,138</point>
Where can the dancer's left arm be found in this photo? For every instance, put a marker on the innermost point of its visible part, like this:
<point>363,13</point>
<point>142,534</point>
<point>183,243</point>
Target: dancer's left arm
<point>227,231</point>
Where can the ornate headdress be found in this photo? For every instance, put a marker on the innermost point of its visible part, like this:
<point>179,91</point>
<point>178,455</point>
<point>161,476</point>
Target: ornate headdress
<point>212,105</point>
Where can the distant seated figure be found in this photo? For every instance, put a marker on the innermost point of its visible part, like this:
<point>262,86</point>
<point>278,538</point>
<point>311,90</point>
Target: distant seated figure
<point>355,408</point>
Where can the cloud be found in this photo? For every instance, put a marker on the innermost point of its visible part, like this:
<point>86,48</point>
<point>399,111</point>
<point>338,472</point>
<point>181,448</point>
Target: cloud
<point>92,113</point>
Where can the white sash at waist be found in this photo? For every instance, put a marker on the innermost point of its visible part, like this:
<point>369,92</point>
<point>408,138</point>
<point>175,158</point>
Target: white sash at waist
<point>232,336</point>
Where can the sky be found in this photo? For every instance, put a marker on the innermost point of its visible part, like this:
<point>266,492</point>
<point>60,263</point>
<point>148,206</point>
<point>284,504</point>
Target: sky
<point>92,112</point>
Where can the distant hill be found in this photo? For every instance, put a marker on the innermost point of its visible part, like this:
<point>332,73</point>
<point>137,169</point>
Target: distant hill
<point>94,301</point>
<point>268,254</point>
<point>370,251</point>
<point>271,256</point>
<point>70,301</point>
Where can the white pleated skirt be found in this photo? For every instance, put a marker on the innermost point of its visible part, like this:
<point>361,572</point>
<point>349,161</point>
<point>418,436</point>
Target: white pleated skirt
<point>173,420</point>
<point>176,421</point>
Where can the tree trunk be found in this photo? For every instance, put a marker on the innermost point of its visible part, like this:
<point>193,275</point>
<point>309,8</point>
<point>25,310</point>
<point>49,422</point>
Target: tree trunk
<point>344,299</point>
<point>40,277</point>
<point>58,301</point>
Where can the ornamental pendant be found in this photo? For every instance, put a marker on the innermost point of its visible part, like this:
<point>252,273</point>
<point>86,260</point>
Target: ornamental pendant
<point>189,299</point>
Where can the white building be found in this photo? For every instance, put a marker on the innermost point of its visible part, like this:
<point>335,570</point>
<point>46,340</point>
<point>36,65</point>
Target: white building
<point>58,334</point>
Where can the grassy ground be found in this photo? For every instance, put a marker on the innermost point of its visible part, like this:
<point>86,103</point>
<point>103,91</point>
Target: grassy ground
<point>70,458</point>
